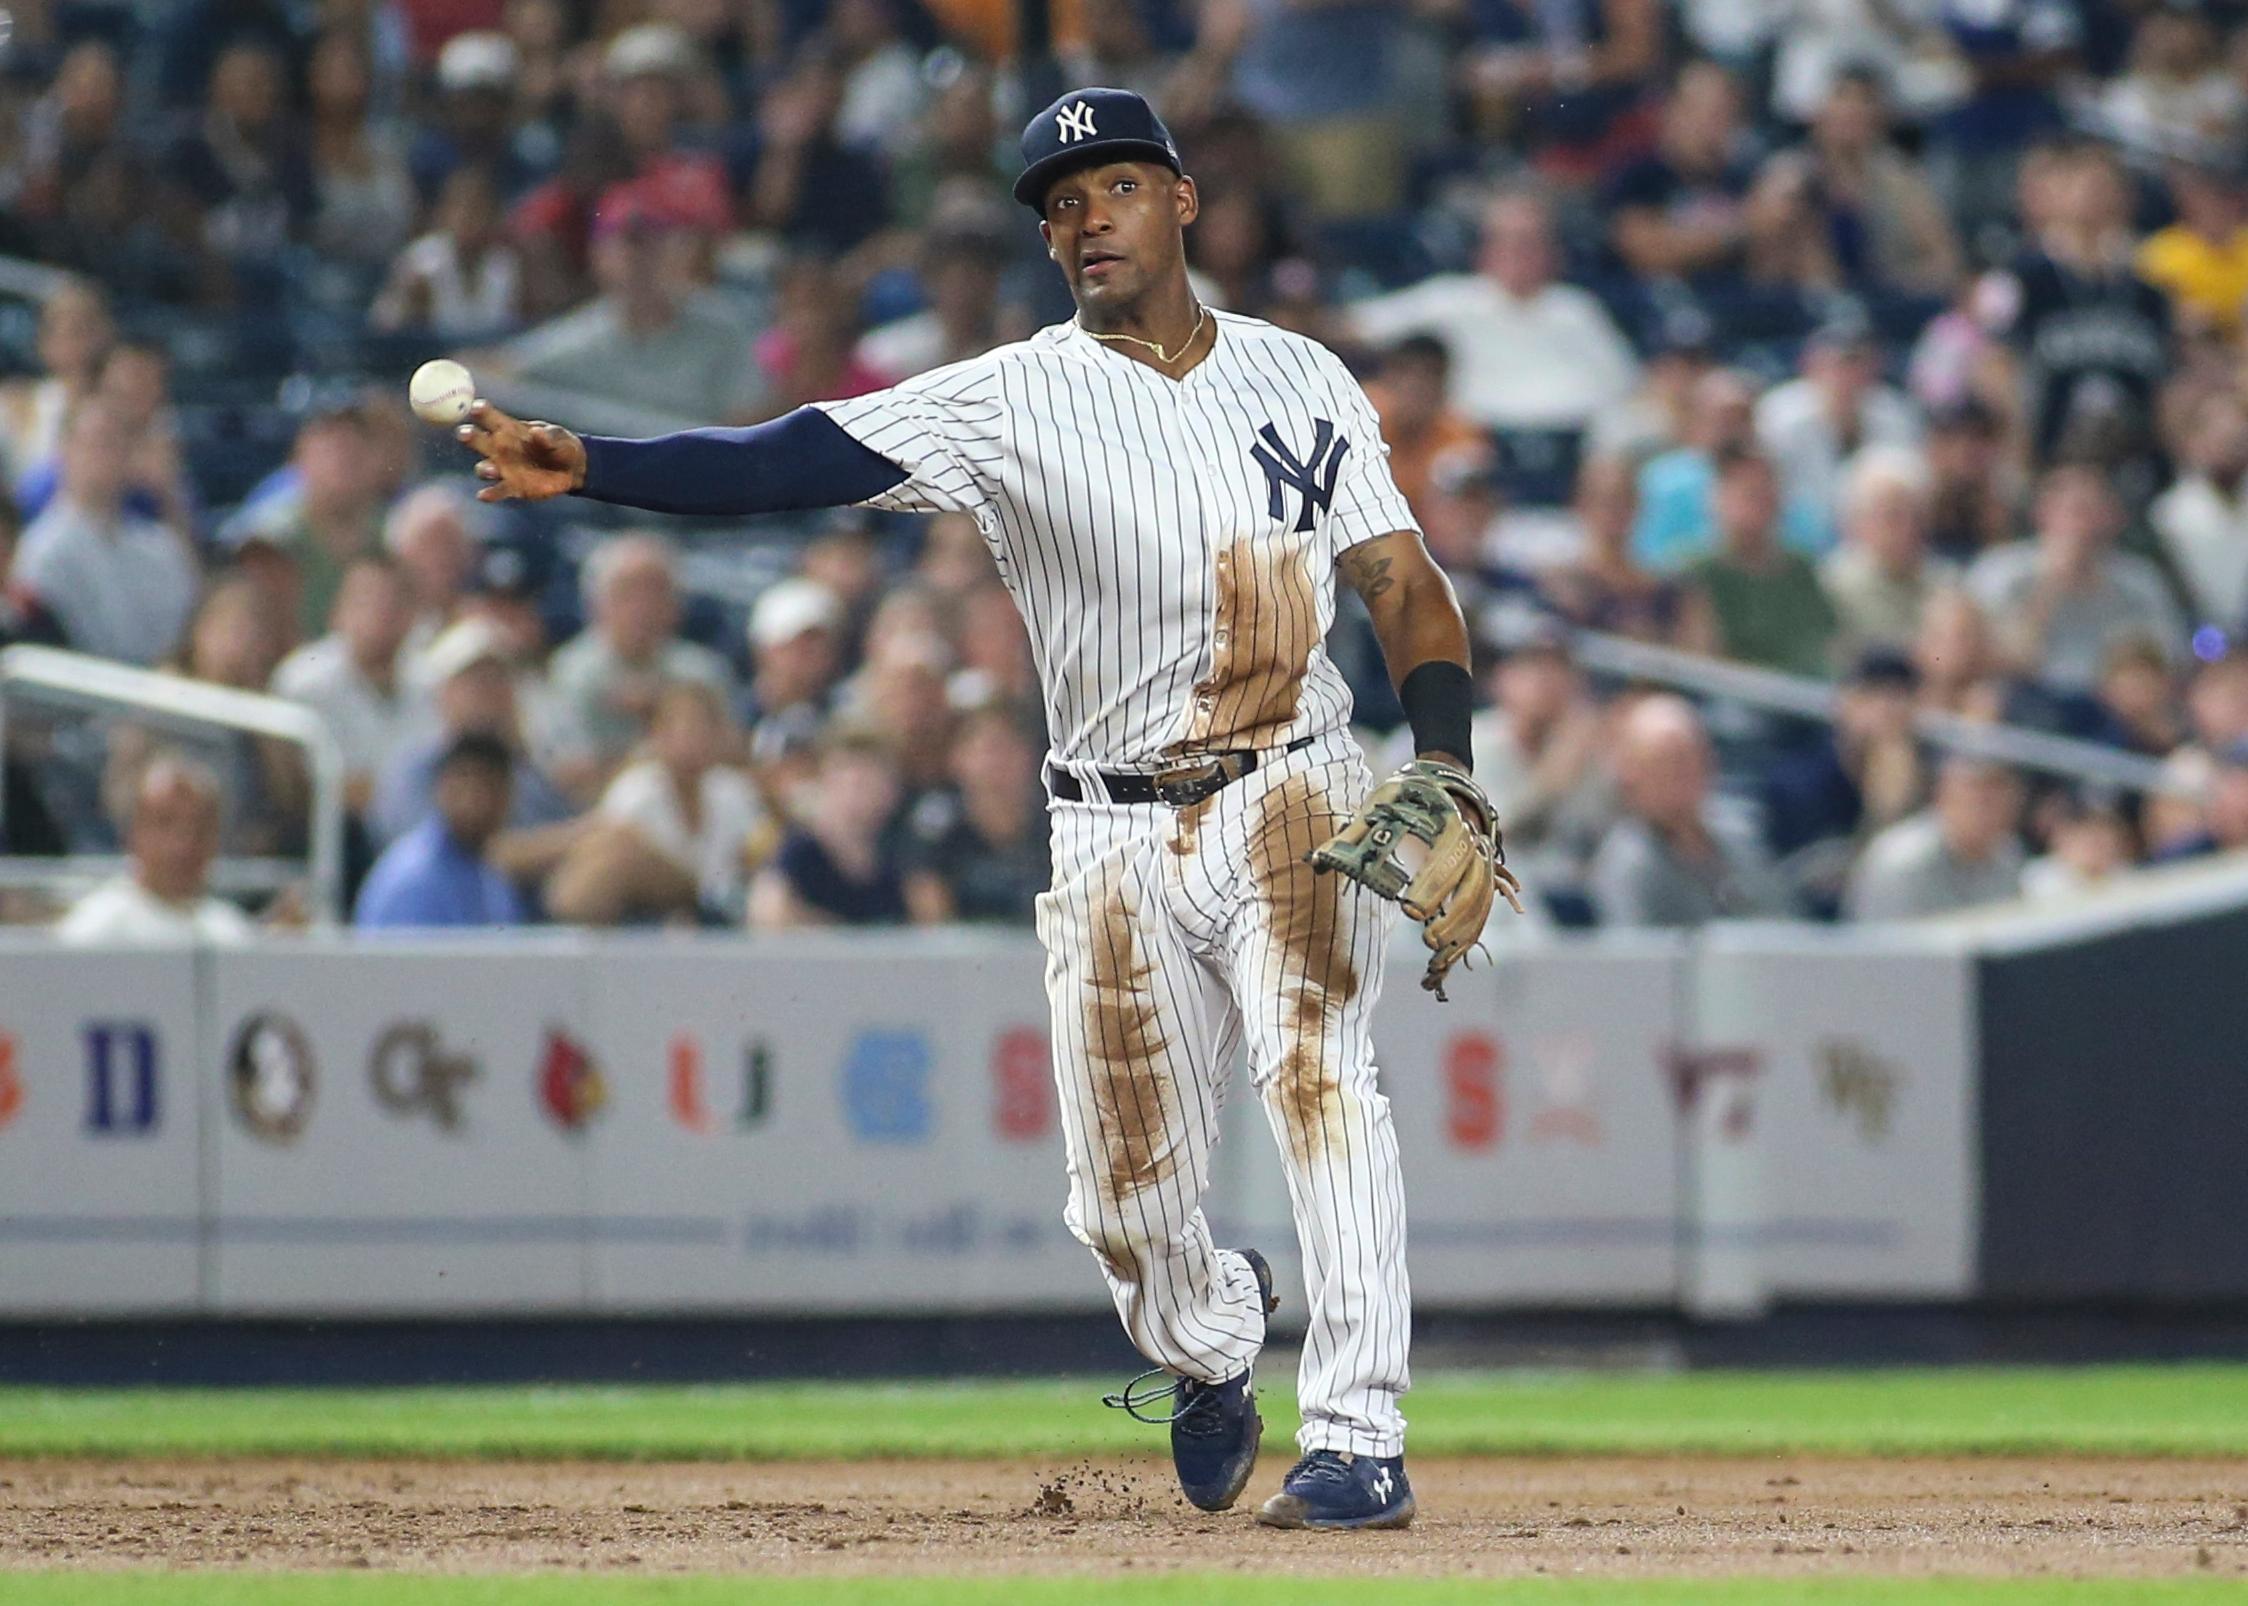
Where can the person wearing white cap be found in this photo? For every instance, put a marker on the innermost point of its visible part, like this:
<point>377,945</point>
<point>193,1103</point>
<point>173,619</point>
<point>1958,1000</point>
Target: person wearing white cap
<point>474,685</point>
<point>795,648</point>
<point>476,75</point>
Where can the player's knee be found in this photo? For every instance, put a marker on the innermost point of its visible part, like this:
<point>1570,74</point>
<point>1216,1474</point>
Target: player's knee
<point>1125,1248</point>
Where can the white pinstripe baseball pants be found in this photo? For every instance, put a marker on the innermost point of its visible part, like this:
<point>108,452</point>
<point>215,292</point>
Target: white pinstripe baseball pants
<point>1174,937</point>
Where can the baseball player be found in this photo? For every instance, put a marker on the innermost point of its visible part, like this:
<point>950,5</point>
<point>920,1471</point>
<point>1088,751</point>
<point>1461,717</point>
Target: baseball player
<point>1169,492</point>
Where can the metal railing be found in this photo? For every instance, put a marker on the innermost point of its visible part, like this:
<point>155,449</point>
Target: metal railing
<point>194,709</point>
<point>1778,693</point>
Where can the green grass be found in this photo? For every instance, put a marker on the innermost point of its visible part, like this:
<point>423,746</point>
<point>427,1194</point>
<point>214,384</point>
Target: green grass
<point>362,1589</point>
<point>2125,1410</point>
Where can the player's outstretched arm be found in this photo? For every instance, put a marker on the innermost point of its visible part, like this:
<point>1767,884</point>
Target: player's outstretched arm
<point>802,460</point>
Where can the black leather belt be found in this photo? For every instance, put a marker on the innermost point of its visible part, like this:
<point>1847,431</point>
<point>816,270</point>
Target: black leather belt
<point>1180,786</point>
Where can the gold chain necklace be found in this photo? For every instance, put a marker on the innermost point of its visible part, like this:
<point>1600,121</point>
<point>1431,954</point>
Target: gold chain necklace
<point>1201,314</point>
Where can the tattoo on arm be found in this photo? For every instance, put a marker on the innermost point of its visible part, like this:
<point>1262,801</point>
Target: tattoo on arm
<point>1369,573</point>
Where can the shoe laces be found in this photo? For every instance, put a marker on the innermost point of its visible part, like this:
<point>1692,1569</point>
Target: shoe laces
<point>1321,1466</point>
<point>1194,1404</point>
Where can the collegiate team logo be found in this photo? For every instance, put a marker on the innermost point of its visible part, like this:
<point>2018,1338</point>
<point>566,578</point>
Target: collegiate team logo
<point>690,1104</point>
<point>570,1085</point>
<point>270,1074</point>
<point>11,1084</point>
<point>885,1087</point>
<point>1313,476</point>
<point>121,1065</point>
<point>415,1075</point>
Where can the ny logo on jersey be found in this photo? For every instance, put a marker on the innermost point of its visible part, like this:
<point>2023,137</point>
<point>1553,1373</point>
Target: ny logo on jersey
<point>1314,476</point>
<point>1076,123</point>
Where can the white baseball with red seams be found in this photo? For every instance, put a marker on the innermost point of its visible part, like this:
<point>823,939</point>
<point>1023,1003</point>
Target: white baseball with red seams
<point>1172,544</point>
<point>440,392</point>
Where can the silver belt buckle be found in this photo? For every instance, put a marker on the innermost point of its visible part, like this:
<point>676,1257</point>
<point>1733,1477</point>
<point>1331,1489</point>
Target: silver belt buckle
<point>1187,785</point>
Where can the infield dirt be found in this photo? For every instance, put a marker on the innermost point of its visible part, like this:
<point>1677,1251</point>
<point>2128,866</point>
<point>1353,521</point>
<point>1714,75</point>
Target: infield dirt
<point>1619,1517</point>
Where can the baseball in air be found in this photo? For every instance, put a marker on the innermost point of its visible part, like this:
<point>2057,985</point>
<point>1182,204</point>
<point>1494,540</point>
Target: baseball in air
<point>441,391</point>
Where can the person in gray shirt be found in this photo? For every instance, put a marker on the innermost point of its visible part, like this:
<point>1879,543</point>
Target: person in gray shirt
<point>1675,859</point>
<point>116,584</point>
<point>1960,851</point>
<point>2062,599</point>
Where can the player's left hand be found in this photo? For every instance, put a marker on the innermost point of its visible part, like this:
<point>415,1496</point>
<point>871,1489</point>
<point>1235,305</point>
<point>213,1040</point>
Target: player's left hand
<point>1461,869</point>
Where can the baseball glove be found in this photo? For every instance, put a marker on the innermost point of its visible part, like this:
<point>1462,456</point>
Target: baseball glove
<point>1461,863</point>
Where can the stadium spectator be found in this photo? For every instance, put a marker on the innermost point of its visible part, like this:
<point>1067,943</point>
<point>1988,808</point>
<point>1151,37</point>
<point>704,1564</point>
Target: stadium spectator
<point>2059,601</point>
<point>976,849</point>
<point>1878,218</point>
<point>1752,599</point>
<point>508,588</point>
<point>1604,588</point>
<point>163,895</point>
<point>836,865</point>
<point>2091,336</point>
<point>1674,858</point>
<point>474,125</point>
<point>677,830</point>
<point>2200,260</point>
<point>1953,653</point>
<point>1811,426</point>
<point>439,874</point>
<point>1541,754</point>
<point>1971,506</point>
<point>2174,93</point>
<point>240,180</point>
<point>2201,521</point>
<point>901,697</point>
<point>808,184</point>
<point>1823,800</point>
<point>1681,211</point>
<point>299,538</point>
<point>1419,424</point>
<point>795,642</point>
<point>995,665</point>
<point>354,677</point>
<point>1656,417</point>
<point>2090,845</point>
<point>462,280</point>
<point>1881,577</point>
<point>473,680</point>
<point>365,200</point>
<point>880,104</point>
<point>651,339</point>
<point>810,352</point>
<point>135,380</point>
<point>1962,851</point>
<point>605,681</point>
<point>961,262</point>
<point>1568,82</point>
<point>75,333</point>
<point>1528,353</point>
<point>1677,513</point>
<point>427,533</point>
<point>115,584</point>
<point>2016,54</point>
<point>645,76</point>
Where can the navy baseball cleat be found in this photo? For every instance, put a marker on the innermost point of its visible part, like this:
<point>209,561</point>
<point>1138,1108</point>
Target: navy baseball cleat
<point>1328,1489</point>
<point>1215,1429</point>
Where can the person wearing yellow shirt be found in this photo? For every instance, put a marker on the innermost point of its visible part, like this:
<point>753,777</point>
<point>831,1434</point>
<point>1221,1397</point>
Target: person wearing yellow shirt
<point>2201,261</point>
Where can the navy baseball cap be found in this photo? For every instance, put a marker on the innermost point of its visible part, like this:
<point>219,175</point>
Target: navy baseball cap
<point>1085,128</point>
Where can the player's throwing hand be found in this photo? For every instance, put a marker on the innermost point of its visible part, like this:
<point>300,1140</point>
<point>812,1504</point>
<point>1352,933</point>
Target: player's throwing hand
<point>527,462</point>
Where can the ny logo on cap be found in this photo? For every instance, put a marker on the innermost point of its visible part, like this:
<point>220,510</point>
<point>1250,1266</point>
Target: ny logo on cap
<point>1076,123</point>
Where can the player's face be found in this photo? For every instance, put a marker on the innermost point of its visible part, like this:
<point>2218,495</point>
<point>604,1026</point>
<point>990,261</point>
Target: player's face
<point>1117,230</point>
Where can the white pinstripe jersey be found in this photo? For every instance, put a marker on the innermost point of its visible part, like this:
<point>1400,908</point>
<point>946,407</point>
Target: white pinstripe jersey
<point>1171,543</point>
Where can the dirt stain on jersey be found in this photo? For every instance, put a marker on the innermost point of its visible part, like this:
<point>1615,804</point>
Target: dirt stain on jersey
<point>1133,1100</point>
<point>1316,977</point>
<point>1263,629</point>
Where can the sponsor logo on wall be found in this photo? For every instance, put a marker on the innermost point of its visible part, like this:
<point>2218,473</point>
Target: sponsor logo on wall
<point>1859,1085</point>
<point>11,1082</point>
<point>1022,1085</point>
<point>270,1076</point>
<point>122,1060</point>
<point>885,1087</point>
<point>570,1087</point>
<point>687,1094</point>
<point>415,1075</point>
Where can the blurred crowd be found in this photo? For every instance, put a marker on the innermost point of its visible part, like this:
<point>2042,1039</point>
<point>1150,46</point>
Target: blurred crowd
<point>1889,344</point>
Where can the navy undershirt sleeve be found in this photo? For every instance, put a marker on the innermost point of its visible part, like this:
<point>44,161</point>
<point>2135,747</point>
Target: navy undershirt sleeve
<point>804,459</point>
